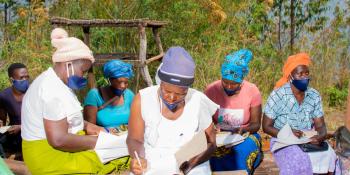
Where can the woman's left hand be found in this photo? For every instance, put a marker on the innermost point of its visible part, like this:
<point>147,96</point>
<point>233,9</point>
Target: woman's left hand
<point>14,129</point>
<point>186,167</point>
<point>316,139</point>
<point>92,129</point>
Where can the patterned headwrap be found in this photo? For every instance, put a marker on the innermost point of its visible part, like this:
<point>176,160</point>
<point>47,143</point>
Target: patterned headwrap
<point>235,66</point>
<point>117,69</point>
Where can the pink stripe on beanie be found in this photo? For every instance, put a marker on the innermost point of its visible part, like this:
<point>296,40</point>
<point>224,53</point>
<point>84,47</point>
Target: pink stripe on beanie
<point>68,48</point>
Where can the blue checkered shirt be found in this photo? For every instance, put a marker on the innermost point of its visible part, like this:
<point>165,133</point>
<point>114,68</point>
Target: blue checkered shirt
<point>282,107</point>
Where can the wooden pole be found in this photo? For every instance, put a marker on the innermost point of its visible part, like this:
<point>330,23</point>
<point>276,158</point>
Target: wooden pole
<point>86,31</point>
<point>91,77</point>
<point>143,55</point>
<point>292,26</point>
<point>154,58</point>
<point>156,36</point>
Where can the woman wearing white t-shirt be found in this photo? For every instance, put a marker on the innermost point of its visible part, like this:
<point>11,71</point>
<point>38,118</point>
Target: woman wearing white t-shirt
<point>52,121</point>
<point>165,117</point>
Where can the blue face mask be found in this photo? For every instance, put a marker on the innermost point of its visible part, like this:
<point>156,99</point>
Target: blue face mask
<point>171,106</point>
<point>301,84</point>
<point>231,92</point>
<point>118,92</point>
<point>21,85</point>
<point>75,82</point>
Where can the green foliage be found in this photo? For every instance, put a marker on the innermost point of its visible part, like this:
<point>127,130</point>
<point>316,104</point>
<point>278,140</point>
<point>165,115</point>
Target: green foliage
<point>208,29</point>
<point>337,97</point>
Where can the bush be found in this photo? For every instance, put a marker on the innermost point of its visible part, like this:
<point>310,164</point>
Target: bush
<point>336,97</point>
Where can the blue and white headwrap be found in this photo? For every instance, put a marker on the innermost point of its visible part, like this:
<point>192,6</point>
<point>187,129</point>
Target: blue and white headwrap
<point>235,66</point>
<point>117,69</point>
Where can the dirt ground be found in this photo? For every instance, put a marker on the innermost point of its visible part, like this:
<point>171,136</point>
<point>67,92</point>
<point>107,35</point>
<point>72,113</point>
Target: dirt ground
<point>334,118</point>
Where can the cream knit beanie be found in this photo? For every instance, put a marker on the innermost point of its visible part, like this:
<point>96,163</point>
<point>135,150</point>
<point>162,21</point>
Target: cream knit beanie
<point>68,48</point>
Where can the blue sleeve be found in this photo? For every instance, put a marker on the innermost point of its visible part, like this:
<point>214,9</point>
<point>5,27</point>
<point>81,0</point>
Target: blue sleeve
<point>272,105</point>
<point>129,96</point>
<point>93,98</point>
<point>318,110</point>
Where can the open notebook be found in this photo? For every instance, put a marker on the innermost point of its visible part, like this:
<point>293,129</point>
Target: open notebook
<point>285,137</point>
<point>228,139</point>
<point>194,147</point>
<point>109,147</point>
<point>4,129</point>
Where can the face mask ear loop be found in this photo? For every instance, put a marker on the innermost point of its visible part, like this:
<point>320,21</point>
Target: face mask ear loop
<point>160,101</point>
<point>67,67</point>
<point>291,78</point>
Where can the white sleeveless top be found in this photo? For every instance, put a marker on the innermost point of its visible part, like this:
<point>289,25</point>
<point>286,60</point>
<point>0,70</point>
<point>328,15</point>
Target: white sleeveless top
<point>163,137</point>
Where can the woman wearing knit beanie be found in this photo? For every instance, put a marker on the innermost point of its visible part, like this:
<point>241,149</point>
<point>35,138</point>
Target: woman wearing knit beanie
<point>54,141</point>
<point>165,117</point>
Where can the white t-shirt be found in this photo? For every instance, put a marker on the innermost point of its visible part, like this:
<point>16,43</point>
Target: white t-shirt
<point>163,137</point>
<point>49,98</point>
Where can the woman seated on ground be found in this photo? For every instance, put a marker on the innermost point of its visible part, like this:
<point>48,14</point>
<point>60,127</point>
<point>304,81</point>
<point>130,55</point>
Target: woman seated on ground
<point>292,102</point>
<point>166,116</point>
<point>109,106</point>
<point>240,112</point>
<point>52,122</point>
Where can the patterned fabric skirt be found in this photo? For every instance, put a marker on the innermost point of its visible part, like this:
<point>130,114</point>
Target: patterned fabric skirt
<point>292,160</point>
<point>244,156</point>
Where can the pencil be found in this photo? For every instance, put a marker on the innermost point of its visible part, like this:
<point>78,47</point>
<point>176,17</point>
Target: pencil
<point>138,161</point>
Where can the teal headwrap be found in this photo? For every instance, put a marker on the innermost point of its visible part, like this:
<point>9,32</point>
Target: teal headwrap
<point>117,69</point>
<point>235,66</point>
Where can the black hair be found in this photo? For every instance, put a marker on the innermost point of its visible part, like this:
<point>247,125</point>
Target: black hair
<point>13,67</point>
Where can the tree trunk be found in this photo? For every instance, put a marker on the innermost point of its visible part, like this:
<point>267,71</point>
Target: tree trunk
<point>292,26</point>
<point>4,32</point>
<point>5,14</point>
<point>279,24</point>
<point>347,119</point>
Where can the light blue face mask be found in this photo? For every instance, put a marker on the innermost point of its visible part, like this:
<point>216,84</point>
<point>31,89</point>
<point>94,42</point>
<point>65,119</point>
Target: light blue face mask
<point>171,106</point>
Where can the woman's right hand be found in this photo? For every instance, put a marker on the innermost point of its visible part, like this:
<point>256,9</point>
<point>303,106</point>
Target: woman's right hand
<point>217,129</point>
<point>297,133</point>
<point>135,166</point>
<point>92,129</point>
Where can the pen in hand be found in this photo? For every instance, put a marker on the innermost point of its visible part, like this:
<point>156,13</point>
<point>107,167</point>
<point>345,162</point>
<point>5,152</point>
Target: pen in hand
<point>138,161</point>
